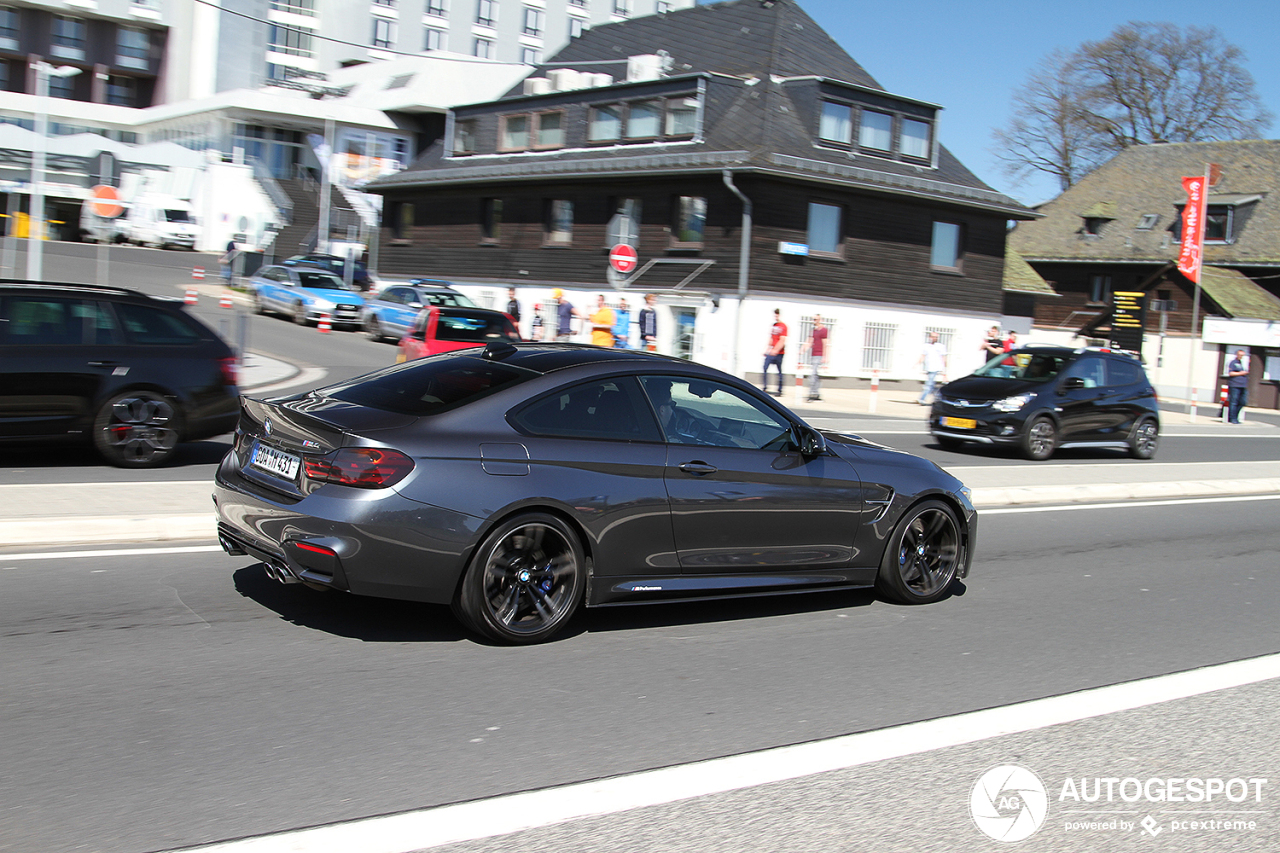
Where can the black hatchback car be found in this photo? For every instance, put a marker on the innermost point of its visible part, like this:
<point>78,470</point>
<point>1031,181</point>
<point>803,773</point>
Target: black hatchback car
<point>134,374</point>
<point>517,482</point>
<point>1041,398</point>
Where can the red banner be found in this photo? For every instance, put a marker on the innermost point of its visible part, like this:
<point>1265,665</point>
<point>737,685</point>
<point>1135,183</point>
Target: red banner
<point>1191,256</point>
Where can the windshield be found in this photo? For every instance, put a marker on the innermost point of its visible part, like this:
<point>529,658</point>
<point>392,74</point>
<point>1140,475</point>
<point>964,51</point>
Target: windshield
<point>324,281</point>
<point>177,216</point>
<point>1029,366</point>
<point>445,300</point>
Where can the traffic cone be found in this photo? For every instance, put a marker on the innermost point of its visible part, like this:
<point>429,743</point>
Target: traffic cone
<point>197,272</point>
<point>225,301</point>
<point>192,296</point>
<point>323,325</point>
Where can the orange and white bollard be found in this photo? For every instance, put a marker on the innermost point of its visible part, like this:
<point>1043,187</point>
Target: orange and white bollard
<point>1223,396</point>
<point>225,301</point>
<point>875,390</point>
<point>192,296</point>
<point>323,325</point>
<point>197,272</point>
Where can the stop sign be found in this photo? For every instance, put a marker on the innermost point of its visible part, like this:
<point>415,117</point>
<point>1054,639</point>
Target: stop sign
<point>105,202</point>
<point>623,258</point>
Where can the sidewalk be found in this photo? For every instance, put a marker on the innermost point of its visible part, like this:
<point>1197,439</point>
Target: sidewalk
<point>90,513</point>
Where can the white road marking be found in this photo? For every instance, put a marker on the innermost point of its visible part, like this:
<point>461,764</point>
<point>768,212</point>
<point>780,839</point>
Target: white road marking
<point>208,482</point>
<point>452,824</point>
<point>1013,510</point>
<point>117,552</point>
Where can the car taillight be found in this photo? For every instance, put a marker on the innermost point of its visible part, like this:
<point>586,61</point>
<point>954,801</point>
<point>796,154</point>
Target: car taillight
<point>361,467</point>
<point>230,370</point>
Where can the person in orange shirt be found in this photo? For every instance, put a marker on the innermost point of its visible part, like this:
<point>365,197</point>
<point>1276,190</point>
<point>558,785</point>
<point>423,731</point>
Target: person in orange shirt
<point>602,324</point>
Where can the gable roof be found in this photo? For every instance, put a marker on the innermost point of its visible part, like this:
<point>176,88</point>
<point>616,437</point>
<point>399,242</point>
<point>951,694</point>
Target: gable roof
<point>1238,295</point>
<point>761,67</point>
<point>1146,181</point>
<point>1021,277</point>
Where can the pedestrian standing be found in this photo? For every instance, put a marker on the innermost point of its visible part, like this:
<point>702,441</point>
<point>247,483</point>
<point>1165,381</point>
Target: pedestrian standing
<point>776,350</point>
<point>649,324</point>
<point>1237,386</point>
<point>565,312</point>
<point>513,305</point>
<point>535,325</point>
<point>602,324</point>
<point>816,347</point>
<point>226,260</point>
<point>992,344</point>
<point>933,361</point>
<point>1010,363</point>
<point>622,327</point>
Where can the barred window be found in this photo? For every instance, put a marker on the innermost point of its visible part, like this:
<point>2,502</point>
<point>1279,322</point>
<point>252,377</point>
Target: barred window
<point>945,334</point>
<point>877,346</point>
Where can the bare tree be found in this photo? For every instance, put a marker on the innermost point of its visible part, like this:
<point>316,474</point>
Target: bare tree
<point>1144,83</point>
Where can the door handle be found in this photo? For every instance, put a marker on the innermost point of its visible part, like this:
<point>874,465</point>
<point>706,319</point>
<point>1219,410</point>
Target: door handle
<point>698,468</point>
<point>103,363</point>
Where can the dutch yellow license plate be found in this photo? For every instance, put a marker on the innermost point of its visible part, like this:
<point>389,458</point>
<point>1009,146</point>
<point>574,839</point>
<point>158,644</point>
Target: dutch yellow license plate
<point>960,423</point>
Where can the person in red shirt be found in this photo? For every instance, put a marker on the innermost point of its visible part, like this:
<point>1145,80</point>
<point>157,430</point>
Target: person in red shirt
<point>817,350</point>
<point>776,350</point>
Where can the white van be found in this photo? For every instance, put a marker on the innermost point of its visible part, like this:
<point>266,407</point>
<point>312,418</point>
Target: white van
<point>162,222</point>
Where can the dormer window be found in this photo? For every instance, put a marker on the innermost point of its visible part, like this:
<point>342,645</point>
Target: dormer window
<point>647,120</point>
<point>876,131</point>
<point>1093,226</point>
<point>865,130</point>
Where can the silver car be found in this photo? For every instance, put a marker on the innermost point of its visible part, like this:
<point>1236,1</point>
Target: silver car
<point>390,313</point>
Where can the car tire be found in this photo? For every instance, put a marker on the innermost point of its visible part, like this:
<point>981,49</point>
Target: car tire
<point>525,581</point>
<point>948,443</point>
<point>1144,440</point>
<point>373,328</point>
<point>923,556</point>
<point>258,307</point>
<point>1040,439</point>
<point>136,429</point>
<point>300,314</point>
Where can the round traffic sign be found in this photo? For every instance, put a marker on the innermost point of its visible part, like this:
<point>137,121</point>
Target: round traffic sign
<point>623,258</point>
<point>105,202</point>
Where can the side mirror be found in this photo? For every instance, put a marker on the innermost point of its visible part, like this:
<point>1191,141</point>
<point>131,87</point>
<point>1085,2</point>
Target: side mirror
<point>809,441</point>
<point>415,304</point>
<point>1072,383</point>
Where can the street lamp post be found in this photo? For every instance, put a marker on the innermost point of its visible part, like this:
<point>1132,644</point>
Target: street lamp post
<point>35,219</point>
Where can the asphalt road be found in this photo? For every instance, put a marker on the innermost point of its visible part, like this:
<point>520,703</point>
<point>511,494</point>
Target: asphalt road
<point>159,700</point>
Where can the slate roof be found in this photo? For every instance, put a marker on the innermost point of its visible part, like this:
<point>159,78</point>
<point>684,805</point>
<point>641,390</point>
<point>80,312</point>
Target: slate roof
<point>1147,179</point>
<point>761,66</point>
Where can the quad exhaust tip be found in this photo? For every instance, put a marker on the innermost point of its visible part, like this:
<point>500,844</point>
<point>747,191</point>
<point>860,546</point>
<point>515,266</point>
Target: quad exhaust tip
<point>280,574</point>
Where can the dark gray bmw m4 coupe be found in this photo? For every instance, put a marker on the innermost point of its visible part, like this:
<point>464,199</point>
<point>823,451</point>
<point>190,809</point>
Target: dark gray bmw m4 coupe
<point>517,482</point>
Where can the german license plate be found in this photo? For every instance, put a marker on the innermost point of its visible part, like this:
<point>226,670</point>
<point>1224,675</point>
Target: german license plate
<point>276,461</point>
<point>960,423</point>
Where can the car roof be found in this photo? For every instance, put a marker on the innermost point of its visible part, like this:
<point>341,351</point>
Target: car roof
<point>100,290</point>
<point>548,357</point>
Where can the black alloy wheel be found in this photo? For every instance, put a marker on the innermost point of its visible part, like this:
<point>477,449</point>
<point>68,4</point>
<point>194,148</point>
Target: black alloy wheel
<point>1040,440</point>
<point>373,328</point>
<point>923,556</point>
<point>1144,440</point>
<point>136,429</point>
<point>525,581</point>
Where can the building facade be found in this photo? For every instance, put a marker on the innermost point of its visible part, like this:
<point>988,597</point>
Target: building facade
<point>1119,229</point>
<point>743,180</point>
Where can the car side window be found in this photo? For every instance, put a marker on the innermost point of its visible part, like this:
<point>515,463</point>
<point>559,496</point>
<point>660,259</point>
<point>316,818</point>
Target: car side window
<point>1090,370</point>
<point>35,320</point>
<point>699,411</point>
<point>609,409</point>
<point>1121,371</point>
<point>146,325</point>
<point>392,295</point>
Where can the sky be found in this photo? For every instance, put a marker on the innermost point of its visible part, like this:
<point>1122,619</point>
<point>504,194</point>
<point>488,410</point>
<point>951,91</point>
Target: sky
<point>969,56</point>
